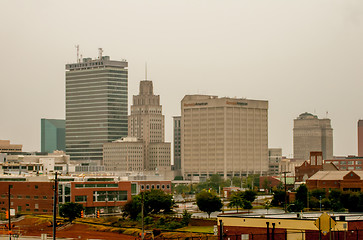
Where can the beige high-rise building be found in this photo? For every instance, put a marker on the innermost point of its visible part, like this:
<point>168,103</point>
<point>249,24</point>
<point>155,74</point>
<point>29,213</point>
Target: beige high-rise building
<point>144,149</point>
<point>146,122</point>
<point>312,134</point>
<point>226,136</point>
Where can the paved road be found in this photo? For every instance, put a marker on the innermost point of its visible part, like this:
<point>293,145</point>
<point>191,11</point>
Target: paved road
<point>6,237</point>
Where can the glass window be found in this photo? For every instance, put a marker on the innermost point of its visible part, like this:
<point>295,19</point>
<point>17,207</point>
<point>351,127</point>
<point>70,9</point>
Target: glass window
<point>36,197</point>
<point>81,198</point>
<point>36,186</point>
<point>343,162</point>
<point>350,162</point>
<point>358,162</point>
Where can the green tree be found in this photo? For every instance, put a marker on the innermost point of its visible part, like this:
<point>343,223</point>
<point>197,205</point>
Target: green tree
<point>181,188</point>
<point>208,202</point>
<point>155,201</point>
<point>302,195</point>
<point>317,193</point>
<point>133,207</point>
<point>247,205</point>
<point>186,217</point>
<point>236,200</point>
<point>278,197</point>
<point>249,195</point>
<point>236,181</point>
<point>70,210</point>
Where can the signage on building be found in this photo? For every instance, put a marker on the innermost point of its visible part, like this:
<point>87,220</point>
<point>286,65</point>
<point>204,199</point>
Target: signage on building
<point>194,104</point>
<point>236,103</point>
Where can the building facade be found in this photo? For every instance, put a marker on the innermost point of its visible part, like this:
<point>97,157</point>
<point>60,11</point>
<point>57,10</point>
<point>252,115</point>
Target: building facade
<point>312,134</point>
<point>6,147</point>
<point>96,106</point>
<point>342,180</point>
<point>177,143</point>
<point>53,135</point>
<point>226,136</point>
<point>347,163</point>
<point>360,138</point>
<point>146,122</point>
<point>126,155</point>
<point>274,159</point>
<point>105,193</point>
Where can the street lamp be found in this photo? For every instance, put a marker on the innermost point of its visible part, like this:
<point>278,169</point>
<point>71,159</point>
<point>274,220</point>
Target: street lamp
<point>320,202</point>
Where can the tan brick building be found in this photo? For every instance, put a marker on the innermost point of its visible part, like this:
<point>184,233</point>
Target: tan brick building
<point>227,136</point>
<point>5,147</point>
<point>146,127</point>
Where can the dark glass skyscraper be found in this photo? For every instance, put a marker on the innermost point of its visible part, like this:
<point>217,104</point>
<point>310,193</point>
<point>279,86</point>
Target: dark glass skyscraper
<point>96,106</point>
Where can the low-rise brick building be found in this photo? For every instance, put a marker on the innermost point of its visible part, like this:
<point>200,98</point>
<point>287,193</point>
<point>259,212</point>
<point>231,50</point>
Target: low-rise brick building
<point>343,180</point>
<point>108,194</point>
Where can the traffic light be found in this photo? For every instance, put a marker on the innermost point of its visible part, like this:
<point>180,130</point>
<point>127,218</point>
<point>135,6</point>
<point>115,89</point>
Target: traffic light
<point>98,213</point>
<point>7,214</point>
<point>82,214</point>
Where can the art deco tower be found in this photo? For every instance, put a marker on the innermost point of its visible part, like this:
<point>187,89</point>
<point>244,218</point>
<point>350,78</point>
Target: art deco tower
<point>146,122</point>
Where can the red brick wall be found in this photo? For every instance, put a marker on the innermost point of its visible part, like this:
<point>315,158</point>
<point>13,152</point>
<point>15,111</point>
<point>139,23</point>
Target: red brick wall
<point>122,186</point>
<point>31,197</point>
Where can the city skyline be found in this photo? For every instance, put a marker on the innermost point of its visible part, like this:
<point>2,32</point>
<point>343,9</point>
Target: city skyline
<point>300,56</point>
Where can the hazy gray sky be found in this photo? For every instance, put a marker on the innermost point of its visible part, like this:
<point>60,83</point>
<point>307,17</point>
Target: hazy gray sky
<point>299,55</point>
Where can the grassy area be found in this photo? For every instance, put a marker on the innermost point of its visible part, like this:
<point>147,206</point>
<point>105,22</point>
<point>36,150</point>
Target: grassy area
<point>197,229</point>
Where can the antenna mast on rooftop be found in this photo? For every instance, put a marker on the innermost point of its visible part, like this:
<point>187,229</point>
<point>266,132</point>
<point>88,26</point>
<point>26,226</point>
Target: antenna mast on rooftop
<point>100,51</point>
<point>77,47</point>
<point>145,70</point>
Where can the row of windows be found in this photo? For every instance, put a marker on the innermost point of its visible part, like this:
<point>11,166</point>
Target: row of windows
<point>96,185</point>
<point>153,186</point>
<point>26,197</point>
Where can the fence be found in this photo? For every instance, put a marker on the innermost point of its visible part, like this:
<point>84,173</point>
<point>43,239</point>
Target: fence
<point>356,234</point>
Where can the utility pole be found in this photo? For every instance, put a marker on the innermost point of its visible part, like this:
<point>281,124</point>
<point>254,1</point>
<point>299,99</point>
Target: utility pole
<point>9,213</point>
<point>285,190</point>
<point>55,206</point>
<point>142,215</point>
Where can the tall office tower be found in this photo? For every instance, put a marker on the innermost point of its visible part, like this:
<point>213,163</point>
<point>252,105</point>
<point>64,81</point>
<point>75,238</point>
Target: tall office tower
<point>177,144</point>
<point>226,136</point>
<point>312,134</point>
<point>274,159</point>
<point>146,122</point>
<point>96,106</point>
<point>53,133</point>
<point>360,138</point>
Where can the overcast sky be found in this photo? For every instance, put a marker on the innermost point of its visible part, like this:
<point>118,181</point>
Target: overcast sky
<point>301,56</point>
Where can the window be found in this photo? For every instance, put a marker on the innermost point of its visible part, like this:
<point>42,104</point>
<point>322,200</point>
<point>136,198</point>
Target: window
<point>36,197</point>
<point>28,197</point>
<point>36,206</point>
<point>81,198</point>
<point>147,187</point>
<point>44,197</point>
<point>343,163</point>
<point>167,186</point>
<point>142,187</point>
